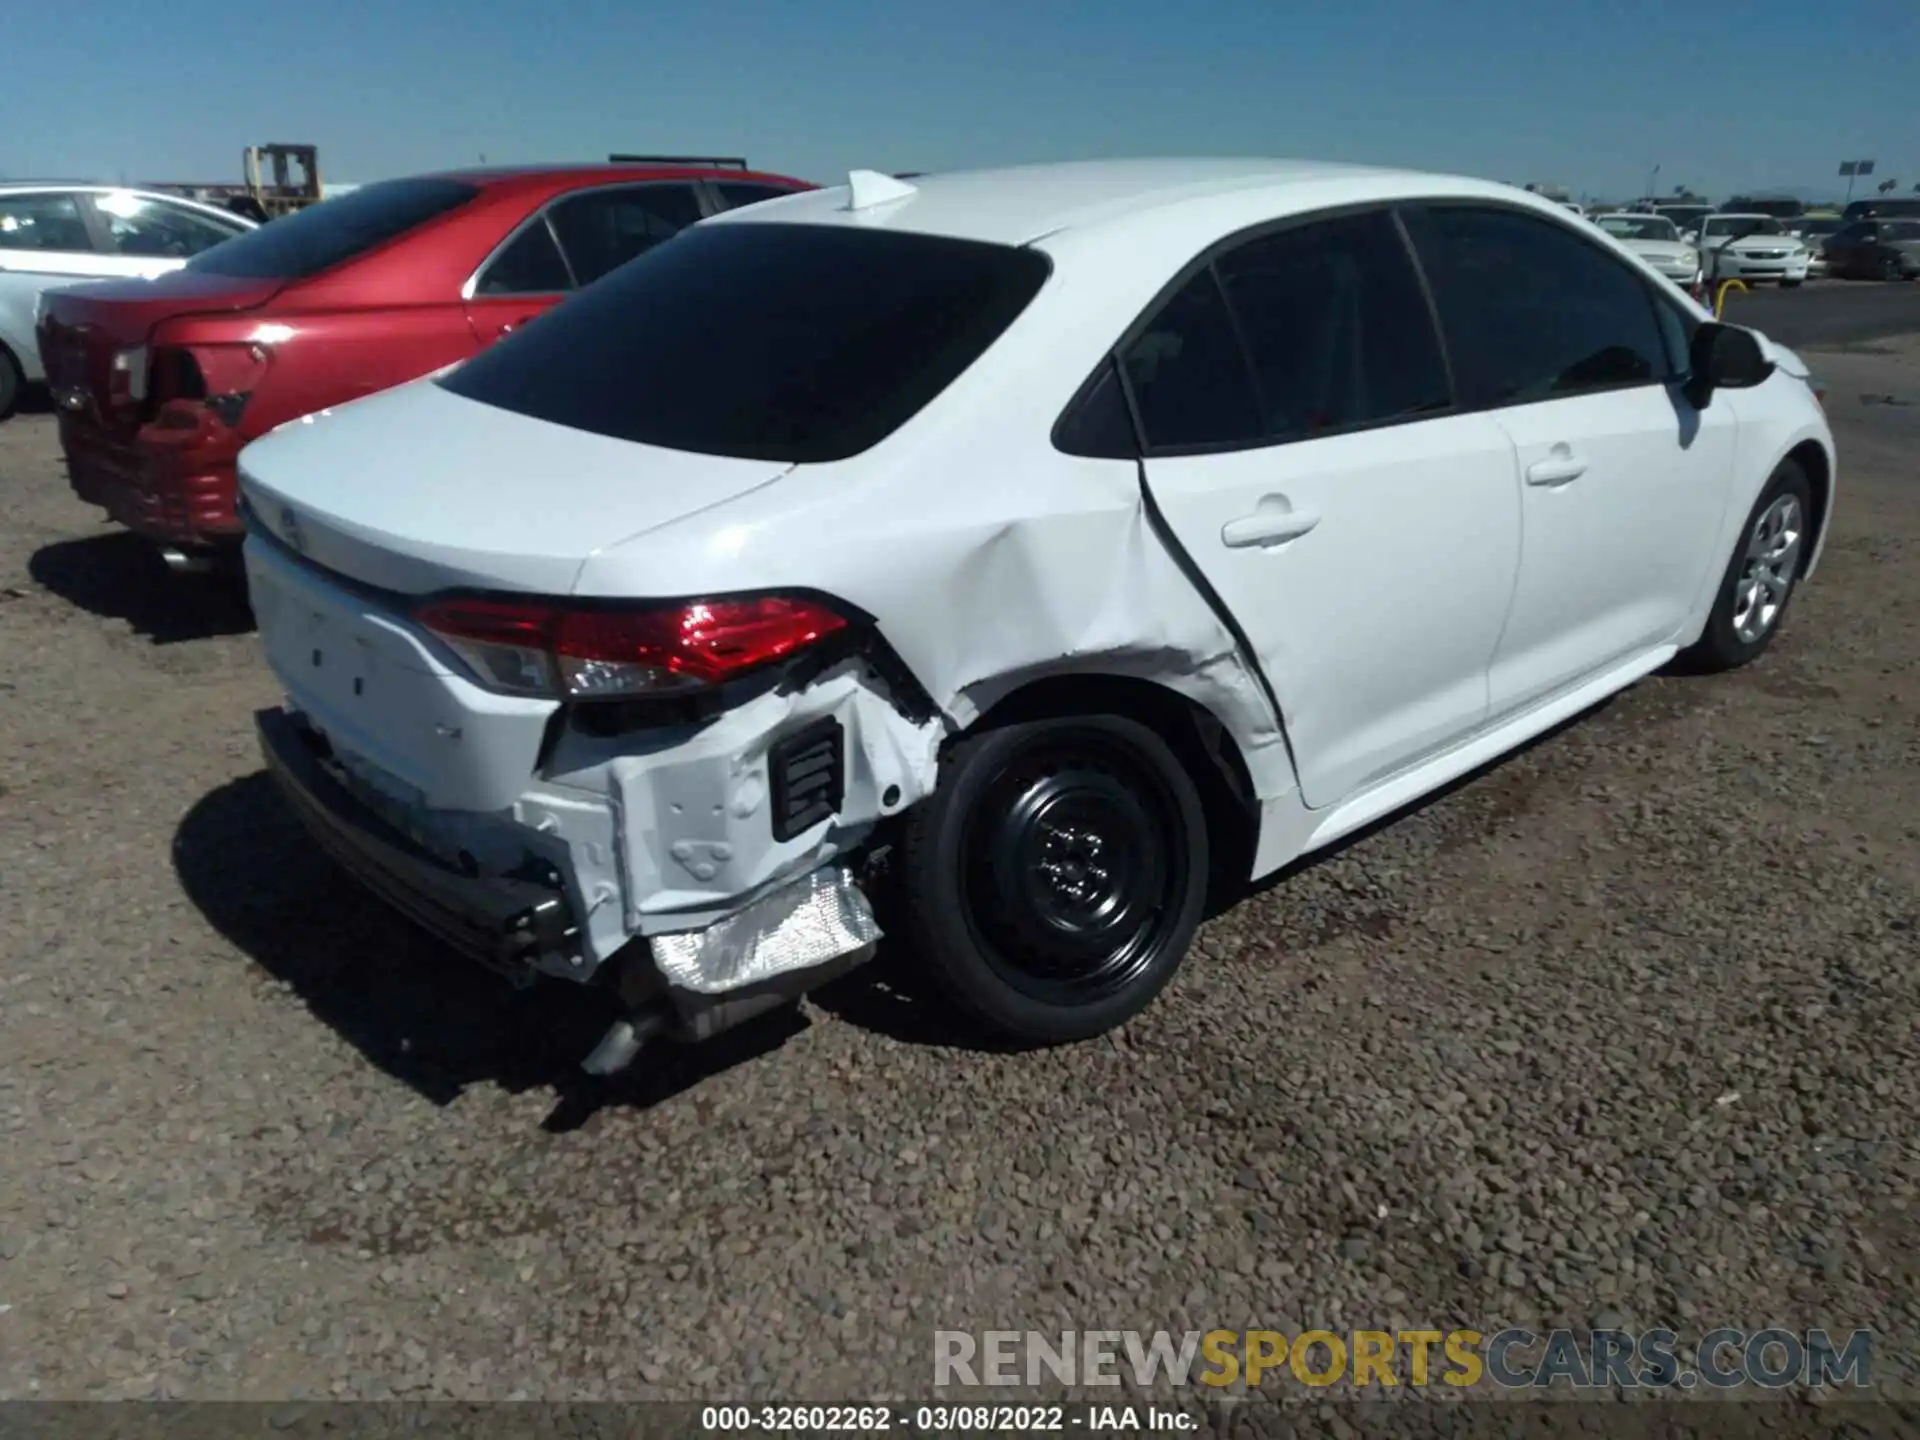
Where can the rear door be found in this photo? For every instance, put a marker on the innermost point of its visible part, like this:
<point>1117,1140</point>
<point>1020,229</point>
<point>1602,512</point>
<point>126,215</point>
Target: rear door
<point>571,242</point>
<point>1581,359</point>
<point>44,244</point>
<point>1303,447</point>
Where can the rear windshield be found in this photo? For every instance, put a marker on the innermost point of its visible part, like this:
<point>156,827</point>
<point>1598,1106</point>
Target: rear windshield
<point>792,343</point>
<point>323,235</point>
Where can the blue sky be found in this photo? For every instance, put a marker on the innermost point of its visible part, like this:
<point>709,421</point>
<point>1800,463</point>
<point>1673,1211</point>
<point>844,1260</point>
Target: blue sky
<point>1590,95</point>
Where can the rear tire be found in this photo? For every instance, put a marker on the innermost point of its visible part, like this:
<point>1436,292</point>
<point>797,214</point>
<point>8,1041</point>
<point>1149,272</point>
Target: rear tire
<point>11,382</point>
<point>1768,559</point>
<point>1890,267</point>
<point>1053,882</point>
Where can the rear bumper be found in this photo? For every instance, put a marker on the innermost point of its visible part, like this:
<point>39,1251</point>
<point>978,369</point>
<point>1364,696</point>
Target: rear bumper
<point>168,481</point>
<point>510,925</point>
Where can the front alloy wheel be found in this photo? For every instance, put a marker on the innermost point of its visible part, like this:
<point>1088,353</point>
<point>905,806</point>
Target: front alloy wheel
<point>1055,879</point>
<point>1759,581</point>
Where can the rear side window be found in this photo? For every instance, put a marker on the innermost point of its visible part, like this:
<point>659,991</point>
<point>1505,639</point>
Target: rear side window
<point>792,343</point>
<point>334,231</point>
<point>1336,325</point>
<point>600,230</point>
<point>1188,375</point>
<point>530,265</point>
<point>156,229</point>
<point>1533,312</point>
<point>44,220</point>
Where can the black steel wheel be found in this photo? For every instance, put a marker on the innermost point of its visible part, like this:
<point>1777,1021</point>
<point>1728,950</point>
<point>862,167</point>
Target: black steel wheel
<point>1056,877</point>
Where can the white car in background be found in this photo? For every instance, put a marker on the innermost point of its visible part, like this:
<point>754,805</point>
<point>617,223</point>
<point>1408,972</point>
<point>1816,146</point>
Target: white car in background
<point>56,234</point>
<point>1751,248</point>
<point>1656,240</point>
<point>1054,549</point>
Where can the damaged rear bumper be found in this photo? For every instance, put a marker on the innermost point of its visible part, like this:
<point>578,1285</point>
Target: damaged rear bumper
<point>512,925</point>
<point>692,983</point>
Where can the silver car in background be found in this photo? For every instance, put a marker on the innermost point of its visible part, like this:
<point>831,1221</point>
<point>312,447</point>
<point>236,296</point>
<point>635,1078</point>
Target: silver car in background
<point>55,233</point>
<point>1656,240</point>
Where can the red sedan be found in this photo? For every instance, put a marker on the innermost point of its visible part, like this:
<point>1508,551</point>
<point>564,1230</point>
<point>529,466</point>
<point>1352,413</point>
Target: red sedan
<point>159,383</point>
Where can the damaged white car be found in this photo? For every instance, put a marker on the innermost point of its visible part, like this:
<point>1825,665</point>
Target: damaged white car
<point>1053,547</point>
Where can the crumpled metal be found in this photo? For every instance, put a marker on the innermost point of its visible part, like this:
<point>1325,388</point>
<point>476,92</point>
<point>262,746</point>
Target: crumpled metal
<point>816,919</point>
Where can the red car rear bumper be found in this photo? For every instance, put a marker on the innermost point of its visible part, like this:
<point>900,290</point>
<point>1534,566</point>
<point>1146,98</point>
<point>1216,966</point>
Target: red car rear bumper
<point>171,480</point>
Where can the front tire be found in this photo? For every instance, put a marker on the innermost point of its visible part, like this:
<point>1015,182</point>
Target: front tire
<point>1053,882</point>
<point>11,382</point>
<point>1760,578</point>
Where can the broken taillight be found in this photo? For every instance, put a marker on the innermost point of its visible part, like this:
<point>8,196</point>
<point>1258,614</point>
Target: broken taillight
<point>221,377</point>
<point>531,647</point>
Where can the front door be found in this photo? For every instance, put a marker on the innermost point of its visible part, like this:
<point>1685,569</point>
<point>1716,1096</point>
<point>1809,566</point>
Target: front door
<point>1363,534</point>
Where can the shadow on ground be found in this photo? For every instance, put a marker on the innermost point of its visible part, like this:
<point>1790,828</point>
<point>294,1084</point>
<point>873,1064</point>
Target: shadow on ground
<point>413,1008</point>
<point>119,576</point>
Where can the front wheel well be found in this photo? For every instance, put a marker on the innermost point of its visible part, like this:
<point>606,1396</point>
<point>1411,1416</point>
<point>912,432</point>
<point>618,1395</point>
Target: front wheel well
<point>1812,458</point>
<point>1204,746</point>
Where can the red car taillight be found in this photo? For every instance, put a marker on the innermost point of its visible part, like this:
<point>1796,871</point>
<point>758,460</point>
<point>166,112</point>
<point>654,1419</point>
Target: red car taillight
<point>539,648</point>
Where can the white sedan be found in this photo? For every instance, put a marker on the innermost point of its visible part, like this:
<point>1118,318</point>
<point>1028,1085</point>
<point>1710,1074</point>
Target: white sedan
<point>1048,549</point>
<point>1752,247</point>
<point>1656,240</point>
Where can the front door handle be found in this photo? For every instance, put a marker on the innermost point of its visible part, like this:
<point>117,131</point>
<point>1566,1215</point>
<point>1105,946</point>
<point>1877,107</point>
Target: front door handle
<point>1267,527</point>
<point>1562,467</point>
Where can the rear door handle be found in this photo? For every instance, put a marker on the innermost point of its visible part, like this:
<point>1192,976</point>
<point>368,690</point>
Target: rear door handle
<point>1267,527</point>
<point>1562,467</point>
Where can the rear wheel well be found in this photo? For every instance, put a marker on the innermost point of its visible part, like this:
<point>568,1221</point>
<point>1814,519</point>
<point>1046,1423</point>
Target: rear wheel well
<point>1812,459</point>
<point>1205,748</point>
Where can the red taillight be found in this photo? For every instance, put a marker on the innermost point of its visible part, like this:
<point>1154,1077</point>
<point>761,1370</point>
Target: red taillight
<point>538,648</point>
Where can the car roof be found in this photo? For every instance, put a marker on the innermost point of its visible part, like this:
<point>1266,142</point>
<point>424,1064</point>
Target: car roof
<point>1021,204</point>
<point>500,177</point>
<point>1741,215</point>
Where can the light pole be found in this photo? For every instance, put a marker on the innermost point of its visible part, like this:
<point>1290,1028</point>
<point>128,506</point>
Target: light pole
<point>1653,183</point>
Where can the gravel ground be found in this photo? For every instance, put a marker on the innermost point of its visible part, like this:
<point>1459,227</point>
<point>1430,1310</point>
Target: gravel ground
<point>1623,1029</point>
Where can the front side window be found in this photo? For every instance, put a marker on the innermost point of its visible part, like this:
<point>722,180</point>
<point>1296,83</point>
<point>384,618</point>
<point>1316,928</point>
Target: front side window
<point>1533,312</point>
<point>1336,327</point>
<point>334,231</point>
<point>1188,374</point>
<point>42,220</point>
<point>600,230</point>
<point>530,265</point>
<point>791,343</point>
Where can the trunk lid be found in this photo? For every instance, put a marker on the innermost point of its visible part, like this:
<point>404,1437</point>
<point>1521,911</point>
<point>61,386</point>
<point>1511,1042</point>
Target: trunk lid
<point>82,328</point>
<point>416,489</point>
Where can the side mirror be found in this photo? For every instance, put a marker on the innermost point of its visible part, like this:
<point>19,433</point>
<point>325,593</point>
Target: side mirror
<point>1723,357</point>
<point>1692,237</point>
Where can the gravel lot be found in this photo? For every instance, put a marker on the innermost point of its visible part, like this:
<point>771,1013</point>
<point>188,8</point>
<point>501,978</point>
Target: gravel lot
<point>1624,1027</point>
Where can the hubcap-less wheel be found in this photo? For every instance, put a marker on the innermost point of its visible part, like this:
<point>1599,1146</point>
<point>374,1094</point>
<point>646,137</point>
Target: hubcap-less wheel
<point>1068,880</point>
<point>1772,559</point>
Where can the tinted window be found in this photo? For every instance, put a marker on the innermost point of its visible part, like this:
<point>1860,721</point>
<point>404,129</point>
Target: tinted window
<point>42,222</point>
<point>530,265</point>
<point>1188,372</point>
<point>324,235</point>
<point>735,193</point>
<point>779,342</point>
<point>1097,423</point>
<point>1532,311</point>
<point>603,229</point>
<point>156,229</point>
<point>1858,233</point>
<point>1336,326</point>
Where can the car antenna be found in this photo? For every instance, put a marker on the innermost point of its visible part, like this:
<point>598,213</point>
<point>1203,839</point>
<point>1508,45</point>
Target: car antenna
<point>867,188</point>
